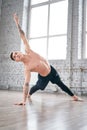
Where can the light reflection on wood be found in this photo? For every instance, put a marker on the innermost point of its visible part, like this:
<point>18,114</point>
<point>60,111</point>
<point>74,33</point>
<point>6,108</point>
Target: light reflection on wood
<point>46,112</point>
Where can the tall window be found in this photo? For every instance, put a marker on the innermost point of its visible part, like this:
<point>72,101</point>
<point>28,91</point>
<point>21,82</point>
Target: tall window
<point>48,28</point>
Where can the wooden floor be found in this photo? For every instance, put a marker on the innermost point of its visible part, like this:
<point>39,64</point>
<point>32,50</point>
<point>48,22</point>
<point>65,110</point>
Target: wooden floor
<point>45,112</point>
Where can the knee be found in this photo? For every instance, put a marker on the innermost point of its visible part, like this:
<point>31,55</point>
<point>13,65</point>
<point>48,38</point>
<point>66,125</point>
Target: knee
<point>42,88</point>
<point>33,89</point>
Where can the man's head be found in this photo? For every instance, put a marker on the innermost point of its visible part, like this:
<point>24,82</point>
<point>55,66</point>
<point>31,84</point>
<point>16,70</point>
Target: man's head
<point>16,56</point>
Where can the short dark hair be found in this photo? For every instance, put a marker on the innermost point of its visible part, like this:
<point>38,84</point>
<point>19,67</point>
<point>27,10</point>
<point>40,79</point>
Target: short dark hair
<point>11,56</point>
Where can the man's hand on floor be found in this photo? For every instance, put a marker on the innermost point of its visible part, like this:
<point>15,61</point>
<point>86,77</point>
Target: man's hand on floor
<point>20,104</point>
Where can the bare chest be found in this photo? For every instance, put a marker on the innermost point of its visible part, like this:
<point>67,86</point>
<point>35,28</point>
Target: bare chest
<point>33,66</point>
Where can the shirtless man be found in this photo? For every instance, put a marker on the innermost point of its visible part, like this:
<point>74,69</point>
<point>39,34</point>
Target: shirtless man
<point>33,62</point>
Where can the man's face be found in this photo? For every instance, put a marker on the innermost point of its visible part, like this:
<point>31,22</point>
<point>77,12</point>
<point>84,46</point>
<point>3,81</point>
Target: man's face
<point>17,56</point>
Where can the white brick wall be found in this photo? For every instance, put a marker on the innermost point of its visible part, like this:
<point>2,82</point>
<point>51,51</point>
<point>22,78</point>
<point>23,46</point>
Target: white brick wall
<point>11,74</point>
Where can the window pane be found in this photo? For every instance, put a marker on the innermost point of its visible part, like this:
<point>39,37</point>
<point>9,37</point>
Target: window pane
<point>38,26</point>
<point>58,18</point>
<point>37,1</point>
<point>39,46</point>
<point>57,48</point>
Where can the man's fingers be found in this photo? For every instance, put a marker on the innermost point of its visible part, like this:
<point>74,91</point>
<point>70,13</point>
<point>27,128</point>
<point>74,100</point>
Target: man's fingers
<point>15,16</point>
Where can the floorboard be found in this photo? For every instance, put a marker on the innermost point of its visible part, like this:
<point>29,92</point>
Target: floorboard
<point>47,111</point>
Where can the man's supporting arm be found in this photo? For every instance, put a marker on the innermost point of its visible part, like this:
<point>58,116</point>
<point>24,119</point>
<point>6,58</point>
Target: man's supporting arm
<point>25,91</point>
<point>25,88</point>
<point>26,85</point>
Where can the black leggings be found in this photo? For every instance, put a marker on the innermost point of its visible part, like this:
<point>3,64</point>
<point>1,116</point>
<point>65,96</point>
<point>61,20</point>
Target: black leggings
<point>53,76</point>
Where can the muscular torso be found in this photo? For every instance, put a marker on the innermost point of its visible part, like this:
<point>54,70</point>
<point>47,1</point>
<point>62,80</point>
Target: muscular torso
<point>36,63</point>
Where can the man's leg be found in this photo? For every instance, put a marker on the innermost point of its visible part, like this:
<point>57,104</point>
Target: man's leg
<point>63,86</point>
<point>34,89</point>
<point>40,85</point>
<point>55,79</point>
<point>68,91</point>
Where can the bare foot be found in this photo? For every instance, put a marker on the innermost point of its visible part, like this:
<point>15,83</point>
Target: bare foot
<point>75,98</point>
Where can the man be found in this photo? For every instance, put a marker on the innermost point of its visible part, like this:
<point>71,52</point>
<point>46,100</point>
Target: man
<point>33,62</point>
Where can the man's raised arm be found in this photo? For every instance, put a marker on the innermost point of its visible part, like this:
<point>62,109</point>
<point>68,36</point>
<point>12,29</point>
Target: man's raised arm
<point>22,34</point>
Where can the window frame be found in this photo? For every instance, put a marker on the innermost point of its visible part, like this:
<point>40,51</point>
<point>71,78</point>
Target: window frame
<point>49,2</point>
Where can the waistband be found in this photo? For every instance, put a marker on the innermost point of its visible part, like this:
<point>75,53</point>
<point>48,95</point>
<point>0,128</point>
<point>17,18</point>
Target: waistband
<point>48,74</point>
